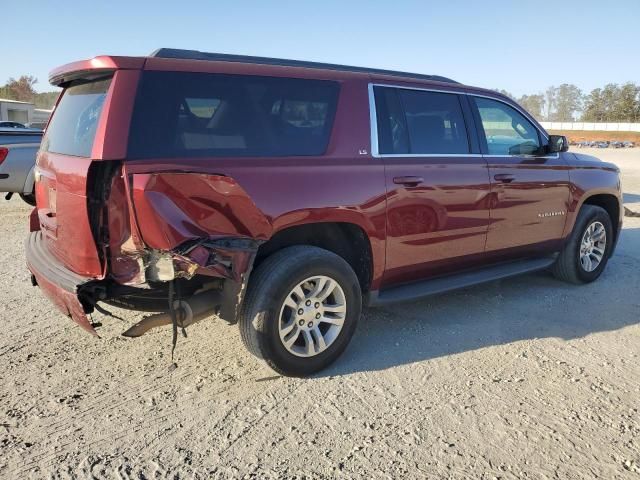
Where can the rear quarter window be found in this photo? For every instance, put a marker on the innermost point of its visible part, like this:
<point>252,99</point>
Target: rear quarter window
<point>179,114</point>
<point>72,128</point>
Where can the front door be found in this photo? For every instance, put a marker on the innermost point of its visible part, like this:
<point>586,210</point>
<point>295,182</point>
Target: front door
<point>437,183</point>
<point>530,188</point>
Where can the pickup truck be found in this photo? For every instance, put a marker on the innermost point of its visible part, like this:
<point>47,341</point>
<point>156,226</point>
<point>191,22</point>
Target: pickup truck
<point>18,151</point>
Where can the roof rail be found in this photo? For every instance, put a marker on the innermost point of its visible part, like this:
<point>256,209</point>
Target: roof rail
<point>223,57</point>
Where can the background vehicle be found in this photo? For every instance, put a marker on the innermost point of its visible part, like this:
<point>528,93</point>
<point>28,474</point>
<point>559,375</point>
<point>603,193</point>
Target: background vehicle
<point>284,195</point>
<point>37,125</point>
<point>6,124</point>
<point>18,149</point>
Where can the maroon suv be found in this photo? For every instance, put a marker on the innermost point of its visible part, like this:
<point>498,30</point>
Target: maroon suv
<point>284,195</point>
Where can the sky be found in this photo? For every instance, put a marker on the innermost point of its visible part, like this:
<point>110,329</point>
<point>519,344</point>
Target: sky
<point>520,46</point>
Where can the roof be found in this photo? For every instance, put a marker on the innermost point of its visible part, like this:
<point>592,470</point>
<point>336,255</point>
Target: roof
<point>174,53</point>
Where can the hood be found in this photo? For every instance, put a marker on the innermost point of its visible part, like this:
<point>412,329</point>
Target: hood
<point>583,160</point>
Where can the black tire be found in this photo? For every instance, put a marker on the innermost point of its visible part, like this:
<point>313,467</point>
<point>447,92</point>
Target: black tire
<point>568,266</point>
<point>270,284</point>
<point>29,198</point>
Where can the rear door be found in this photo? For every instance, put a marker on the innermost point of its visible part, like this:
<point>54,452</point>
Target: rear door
<point>63,168</point>
<point>530,188</point>
<point>437,182</point>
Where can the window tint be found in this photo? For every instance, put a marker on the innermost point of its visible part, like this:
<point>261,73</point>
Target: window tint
<point>419,122</point>
<point>435,122</point>
<point>392,129</point>
<point>197,114</point>
<point>73,126</point>
<point>507,131</point>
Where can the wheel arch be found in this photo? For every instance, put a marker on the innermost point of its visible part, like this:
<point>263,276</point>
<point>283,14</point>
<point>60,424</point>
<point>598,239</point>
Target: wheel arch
<point>607,198</point>
<point>347,240</point>
<point>611,204</point>
<point>29,182</point>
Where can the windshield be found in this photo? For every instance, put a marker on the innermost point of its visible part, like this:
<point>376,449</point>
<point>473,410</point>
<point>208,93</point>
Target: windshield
<point>73,126</point>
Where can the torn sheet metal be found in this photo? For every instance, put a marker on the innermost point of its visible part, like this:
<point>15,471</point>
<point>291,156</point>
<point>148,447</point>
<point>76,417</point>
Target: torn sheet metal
<point>228,258</point>
<point>170,225</point>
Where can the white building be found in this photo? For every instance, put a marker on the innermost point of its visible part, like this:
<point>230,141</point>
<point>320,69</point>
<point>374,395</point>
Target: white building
<point>23,112</point>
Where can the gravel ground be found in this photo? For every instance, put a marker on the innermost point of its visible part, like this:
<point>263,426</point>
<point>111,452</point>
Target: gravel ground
<point>524,378</point>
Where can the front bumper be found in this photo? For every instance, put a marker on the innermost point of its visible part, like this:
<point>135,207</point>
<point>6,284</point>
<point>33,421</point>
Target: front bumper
<point>58,283</point>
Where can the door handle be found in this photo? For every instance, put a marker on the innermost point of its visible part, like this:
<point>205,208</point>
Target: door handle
<point>504,177</point>
<point>409,180</point>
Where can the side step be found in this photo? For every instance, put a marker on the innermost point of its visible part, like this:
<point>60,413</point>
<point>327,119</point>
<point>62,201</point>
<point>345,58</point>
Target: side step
<point>425,288</point>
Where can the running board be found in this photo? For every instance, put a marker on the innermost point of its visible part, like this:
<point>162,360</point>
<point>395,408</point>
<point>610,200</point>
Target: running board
<point>434,286</point>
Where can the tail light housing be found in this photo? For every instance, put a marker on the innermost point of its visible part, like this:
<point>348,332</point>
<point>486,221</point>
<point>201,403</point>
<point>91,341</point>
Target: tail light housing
<point>3,154</point>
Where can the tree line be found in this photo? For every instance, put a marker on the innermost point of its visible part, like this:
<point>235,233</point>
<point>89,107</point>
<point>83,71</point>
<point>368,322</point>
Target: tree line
<point>567,103</point>
<point>22,90</point>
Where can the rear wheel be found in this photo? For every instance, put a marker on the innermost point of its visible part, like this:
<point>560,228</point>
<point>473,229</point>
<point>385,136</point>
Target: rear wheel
<point>586,253</point>
<point>301,309</point>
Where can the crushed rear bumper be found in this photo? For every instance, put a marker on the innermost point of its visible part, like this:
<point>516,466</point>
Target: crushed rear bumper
<point>58,283</point>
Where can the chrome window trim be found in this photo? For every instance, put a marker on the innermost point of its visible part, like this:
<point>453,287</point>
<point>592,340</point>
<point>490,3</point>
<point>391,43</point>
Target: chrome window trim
<point>551,156</point>
<point>373,120</point>
<point>417,155</point>
<point>463,155</point>
<point>422,89</point>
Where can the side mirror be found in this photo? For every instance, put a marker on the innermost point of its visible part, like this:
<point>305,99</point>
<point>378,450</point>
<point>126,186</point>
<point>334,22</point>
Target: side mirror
<point>558,143</point>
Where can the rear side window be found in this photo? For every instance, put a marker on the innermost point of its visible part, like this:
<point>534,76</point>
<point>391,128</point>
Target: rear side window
<point>435,122</point>
<point>420,122</point>
<point>72,128</point>
<point>180,114</point>
<point>393,137</point>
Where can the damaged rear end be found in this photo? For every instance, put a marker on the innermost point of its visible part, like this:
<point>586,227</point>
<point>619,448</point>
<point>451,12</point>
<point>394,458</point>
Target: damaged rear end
<point>131,232</point>
<point>170,240</point>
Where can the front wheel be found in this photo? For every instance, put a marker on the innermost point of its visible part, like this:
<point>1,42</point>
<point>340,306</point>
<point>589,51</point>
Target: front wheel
<point>588,249</point>
<point>301,309</point>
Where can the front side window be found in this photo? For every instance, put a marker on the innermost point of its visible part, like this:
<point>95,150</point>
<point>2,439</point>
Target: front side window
<point>180,114</point>
<point>73,126</point>
<point>506,130</point>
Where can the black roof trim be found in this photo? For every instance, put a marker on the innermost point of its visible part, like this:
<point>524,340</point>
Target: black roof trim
<point>223,57</point>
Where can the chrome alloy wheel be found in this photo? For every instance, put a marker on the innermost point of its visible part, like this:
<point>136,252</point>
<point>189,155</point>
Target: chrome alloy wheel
<point>592,246</point>
<point>312,316</point>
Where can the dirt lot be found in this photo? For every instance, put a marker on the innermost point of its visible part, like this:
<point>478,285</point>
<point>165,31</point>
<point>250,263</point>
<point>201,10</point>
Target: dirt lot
<point>525,378</point>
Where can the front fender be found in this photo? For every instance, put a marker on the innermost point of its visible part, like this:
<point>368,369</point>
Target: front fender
<point>588,181</point>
